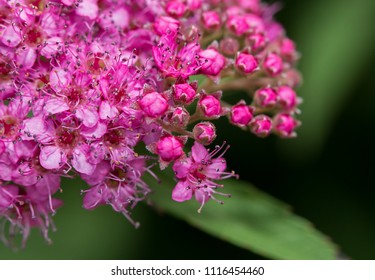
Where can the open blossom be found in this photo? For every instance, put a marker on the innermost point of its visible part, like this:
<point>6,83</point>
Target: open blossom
<point>86,85</point>
<point>197,174</point>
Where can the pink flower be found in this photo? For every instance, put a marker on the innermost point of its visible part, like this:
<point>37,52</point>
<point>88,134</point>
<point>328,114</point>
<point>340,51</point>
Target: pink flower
<point>197,175</point>
<point>174,60</point>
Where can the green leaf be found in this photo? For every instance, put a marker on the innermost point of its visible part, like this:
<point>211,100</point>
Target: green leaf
<point>252,220</point>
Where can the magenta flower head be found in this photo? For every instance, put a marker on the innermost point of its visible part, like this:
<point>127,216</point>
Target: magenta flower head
<point>86,85</point>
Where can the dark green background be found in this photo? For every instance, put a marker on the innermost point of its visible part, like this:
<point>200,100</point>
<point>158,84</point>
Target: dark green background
<point>326,174</point>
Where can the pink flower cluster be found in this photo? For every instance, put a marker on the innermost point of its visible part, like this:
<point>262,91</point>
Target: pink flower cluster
<point>84,85</point>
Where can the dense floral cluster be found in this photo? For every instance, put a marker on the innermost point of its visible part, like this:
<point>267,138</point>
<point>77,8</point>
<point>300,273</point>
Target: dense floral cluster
<point>85,84</point>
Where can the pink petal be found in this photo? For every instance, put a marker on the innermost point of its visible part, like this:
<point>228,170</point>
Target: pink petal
<point>182,167</point>
<point>88,8</point>
<point>89,116</point>
<point>80,161</point>
<point>26,58</point>
<point>96,131</point>
<point>52,157</point>
<point>198,152</point>
<point>56,105</point>
<point>181,192</point>
<point>11,36</point>
<point>107,111</point>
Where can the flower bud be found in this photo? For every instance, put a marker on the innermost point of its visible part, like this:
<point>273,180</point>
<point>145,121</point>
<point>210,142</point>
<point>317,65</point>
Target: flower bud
<point>273,64</point>
<point>213,62</point>
<point>194,5</point>
<point>256,41</point>
<point>237,24</point>
<point>164,25</point>
<point>241,114</point>
<point>204,132</point>
<point>246,63</point>
<point>153,104</point>
<point>175,8</point>
<point>184,93</point>
<point>180,117</point>
<point>261,125</point>
<point>169,148</point>
<point>287,98</point>
<point>211,20</point>
<point>284,125</point>
<point>210,106</point>
<point>229,46</point>
<point>288,49</point>
<point>265,97</point>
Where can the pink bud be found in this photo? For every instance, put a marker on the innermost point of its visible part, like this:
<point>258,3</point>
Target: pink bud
<point>180,117</point>
<point>184,93</point>
<point>194,5</point>
<point>164,25</point>
<point>153,104</point>
<point>169,148</point>
<point>175,8</point>
<point>288,48</point>
<point>256,41</point>
<point>241,114</point>
<point>211,20</point>
<point>287,98</point>
<point>213,62</point>
<point>284,125</point>
<point>229,46</point>
<point>261,125</point>
<point>204,132</point>
<point>210,106</point>
<point>265,97</point>
<point>237,24</point>
<point>246,63</point>
<point>273,64</point>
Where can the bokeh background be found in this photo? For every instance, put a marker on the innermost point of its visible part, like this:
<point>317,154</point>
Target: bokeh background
<point>326,174</point>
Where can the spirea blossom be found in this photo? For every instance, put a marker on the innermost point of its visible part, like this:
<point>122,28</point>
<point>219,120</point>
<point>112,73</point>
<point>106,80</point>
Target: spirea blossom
<point>85,85</point>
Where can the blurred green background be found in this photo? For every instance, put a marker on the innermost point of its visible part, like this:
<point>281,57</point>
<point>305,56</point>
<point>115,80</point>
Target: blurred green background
<point>326,174</point>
